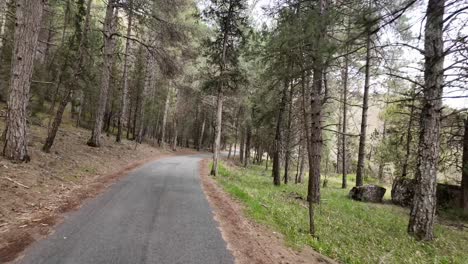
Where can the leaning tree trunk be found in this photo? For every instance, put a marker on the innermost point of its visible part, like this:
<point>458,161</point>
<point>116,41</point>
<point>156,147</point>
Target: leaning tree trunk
<point>464,183</point>
<point>124,96</point>
<point>28,21</point>
<point>108,56</point>
<point>421,223</point>
<point>217,141</point>
<point>365,108</point>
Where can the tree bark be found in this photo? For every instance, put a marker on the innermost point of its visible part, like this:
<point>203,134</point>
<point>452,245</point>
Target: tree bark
<point>365,108</point>
<point>164,121</point>
<point>124,98</point>
<point>421,223</point>
<point>108,56</point>
<point>464,182</point>
<point>202,134</point>
<point>289,135</point>
<point>277,147</point>
<point>28,21</point>
<point>248,146</point>
<point>409,139</point>
<point>344,126</point>
<point>217,141</point>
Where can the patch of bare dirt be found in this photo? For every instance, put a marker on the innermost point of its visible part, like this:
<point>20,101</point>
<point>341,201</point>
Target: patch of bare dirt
<point>34,195</point>
<point>248,241</point>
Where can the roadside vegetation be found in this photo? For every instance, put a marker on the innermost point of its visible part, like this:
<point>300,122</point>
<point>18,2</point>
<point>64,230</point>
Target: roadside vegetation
<point>347,230</point>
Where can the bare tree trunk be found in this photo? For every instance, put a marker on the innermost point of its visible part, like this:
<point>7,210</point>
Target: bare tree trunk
<point>124,99</point>
<point>164,121</point>
<point>202,134</point>
<point>289,135</point>
<point>464,182</point>
<point>365,108</point>
<point>149,83</point>
<point>95,140</point>
<point>248,145</point>
<point>217,141</point>
<point>344,126</point>
<point>28,21</point>
<point>409,138</point>
<point>421,223</point>
<point>277,146</point>
<point>57,121</point>
<point>242,144</point>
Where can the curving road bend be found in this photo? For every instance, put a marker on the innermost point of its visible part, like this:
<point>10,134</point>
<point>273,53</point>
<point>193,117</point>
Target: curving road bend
<point>158,214</point>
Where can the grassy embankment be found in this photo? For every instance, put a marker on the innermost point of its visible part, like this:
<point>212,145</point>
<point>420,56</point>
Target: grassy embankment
<point>348,231</point>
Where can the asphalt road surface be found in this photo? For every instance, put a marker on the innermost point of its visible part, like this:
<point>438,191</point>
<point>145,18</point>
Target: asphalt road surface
<point>158,214</point>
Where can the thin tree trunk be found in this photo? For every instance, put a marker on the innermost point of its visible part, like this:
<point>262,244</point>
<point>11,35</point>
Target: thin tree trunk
<point>95,140</point>
<point>279,138</point>
<point>365,108</point>
<point>464,182</point>
<point>409,138</point>
<point>149,82</point>
<point>124,96</point>
<point>57,121</point>
<point>217,141</point>
<point>344,126</point>
<point>202,134</point>
<point>421,223</point>
<point>289,135</point>
<point>28,21</point>
<point>248,145</point>
<point>164,121</point>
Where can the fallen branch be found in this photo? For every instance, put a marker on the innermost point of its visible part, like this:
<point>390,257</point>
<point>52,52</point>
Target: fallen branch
<point>18,183</point>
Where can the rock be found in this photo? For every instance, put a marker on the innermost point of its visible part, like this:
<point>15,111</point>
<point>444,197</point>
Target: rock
<point>403,191</point>
<point>448,196</point>
<point>367,193</point>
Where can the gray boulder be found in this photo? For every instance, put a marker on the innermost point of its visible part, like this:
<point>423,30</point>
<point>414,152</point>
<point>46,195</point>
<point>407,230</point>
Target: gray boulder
<point>367,193</point>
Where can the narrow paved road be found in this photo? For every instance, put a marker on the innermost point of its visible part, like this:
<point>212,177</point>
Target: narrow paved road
<point>158,214</point>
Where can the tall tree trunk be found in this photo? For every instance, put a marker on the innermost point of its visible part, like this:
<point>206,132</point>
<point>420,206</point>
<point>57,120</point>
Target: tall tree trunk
<point>242,144</point>
<point>164,121</point>
<point>409,138</point>
<point>202,133</point>
<point>217,141</point>
<point>365,108</point>
<point>421,223</point>
<point>124,96</point>
<point>344,125</point>
<point>248,143</point>
<point>278,145</point>
<point>289,135</point>
<point>149,83</point>
<point>28,21</point>
<point>464,182</point>
<point>108,56</point>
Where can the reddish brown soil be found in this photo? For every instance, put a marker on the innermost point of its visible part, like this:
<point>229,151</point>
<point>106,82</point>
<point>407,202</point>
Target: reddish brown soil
<point>248,241</point>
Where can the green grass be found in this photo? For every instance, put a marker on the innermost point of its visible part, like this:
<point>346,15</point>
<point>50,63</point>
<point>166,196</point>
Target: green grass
<point>348,231</point>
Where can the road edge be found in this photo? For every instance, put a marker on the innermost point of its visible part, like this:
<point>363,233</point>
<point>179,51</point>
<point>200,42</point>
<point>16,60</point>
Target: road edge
<point>248,241</point>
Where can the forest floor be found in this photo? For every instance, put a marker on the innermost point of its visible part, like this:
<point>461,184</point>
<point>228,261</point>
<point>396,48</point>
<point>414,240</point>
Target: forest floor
<point>347,231</point>
<point>34,195</point>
